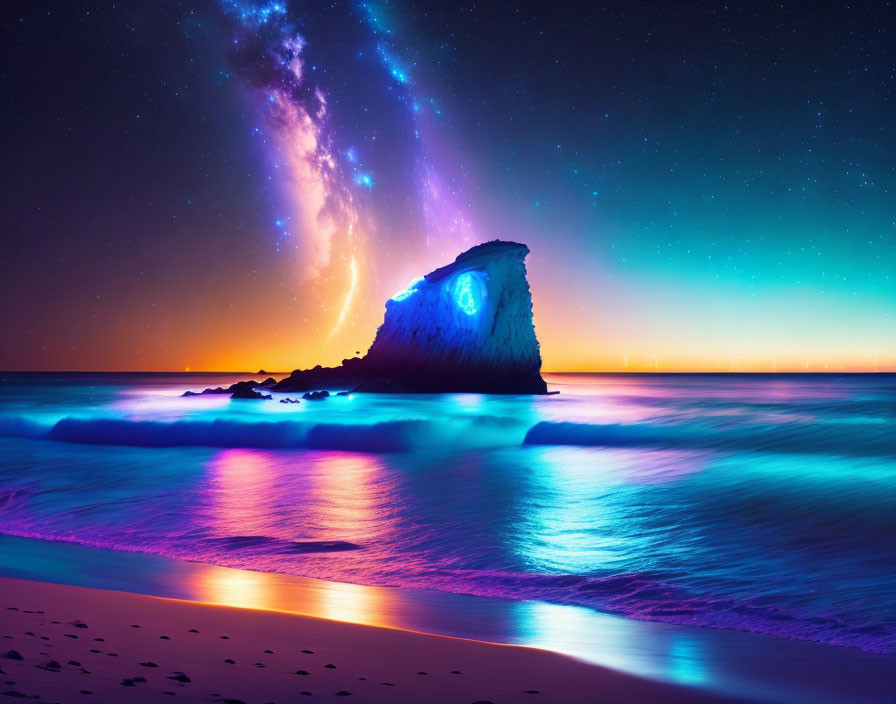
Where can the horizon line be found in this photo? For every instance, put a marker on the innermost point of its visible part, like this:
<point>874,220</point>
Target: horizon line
<point>278,373</point>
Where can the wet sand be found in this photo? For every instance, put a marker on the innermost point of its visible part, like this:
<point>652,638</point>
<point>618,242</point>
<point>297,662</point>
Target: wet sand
<point>91,645</point>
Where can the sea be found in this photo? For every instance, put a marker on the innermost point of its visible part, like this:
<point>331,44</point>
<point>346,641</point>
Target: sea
<point>760,503</point>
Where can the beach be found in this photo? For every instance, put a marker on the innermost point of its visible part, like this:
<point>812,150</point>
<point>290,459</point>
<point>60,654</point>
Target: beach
<point>80,644</point>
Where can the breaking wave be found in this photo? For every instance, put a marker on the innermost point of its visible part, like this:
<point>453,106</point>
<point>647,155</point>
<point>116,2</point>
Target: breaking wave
<point>852,439</point>
<point>870,439</point>
<point>387,436</point>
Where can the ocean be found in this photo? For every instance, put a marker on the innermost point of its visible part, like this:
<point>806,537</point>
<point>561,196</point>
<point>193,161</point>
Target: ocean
<point>761,503</point>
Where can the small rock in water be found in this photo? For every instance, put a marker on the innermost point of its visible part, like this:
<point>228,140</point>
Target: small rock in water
<point>164,638</point>
<point>315,395</point>
<point>13,655</point>
<point>330,666</point>
<point>74,663</point>
<point>230,662</point>
<point>180,677</point>
<point>245,393</point>
<point>148,663</point>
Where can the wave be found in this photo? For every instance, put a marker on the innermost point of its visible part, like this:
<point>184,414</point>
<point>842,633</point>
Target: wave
<point>855,439</point>
<point>851,439</point>
<point>387,436</point>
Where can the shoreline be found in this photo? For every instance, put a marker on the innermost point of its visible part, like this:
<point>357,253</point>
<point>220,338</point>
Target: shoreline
<point>728,663</point>
<point>70,643</point>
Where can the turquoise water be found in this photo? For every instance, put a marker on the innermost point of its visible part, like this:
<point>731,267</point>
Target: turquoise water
<point>755,503</point>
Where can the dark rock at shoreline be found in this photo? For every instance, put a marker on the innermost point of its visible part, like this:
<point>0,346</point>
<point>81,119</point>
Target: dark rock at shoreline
<point>315,395</point>
<point>239,390</point>
<point>247,392</point>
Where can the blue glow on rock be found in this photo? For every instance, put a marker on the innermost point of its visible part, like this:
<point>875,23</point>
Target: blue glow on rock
<point>468,292</point>
<point>409,290</point>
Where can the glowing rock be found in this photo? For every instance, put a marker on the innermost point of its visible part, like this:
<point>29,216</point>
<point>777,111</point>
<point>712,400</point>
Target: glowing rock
<point>465,327</point>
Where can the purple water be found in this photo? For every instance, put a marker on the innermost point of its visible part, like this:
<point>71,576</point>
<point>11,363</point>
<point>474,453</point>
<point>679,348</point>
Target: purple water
<point>753,503</point>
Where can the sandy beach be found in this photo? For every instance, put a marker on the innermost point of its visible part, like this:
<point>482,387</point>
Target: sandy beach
<point>70,644</point>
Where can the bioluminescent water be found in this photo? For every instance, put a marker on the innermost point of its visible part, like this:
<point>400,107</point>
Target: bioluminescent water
<point>754,503</point>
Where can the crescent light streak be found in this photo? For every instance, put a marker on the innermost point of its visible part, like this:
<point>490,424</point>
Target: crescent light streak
<point>349,296</point>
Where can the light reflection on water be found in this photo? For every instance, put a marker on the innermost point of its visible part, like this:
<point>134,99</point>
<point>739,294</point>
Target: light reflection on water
<point>672,657</point>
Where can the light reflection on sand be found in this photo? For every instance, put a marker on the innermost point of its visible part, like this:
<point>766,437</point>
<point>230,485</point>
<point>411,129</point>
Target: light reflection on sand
<point>741,665</point>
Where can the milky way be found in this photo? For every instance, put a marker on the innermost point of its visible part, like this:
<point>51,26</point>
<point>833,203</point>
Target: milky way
<point>330,176</point>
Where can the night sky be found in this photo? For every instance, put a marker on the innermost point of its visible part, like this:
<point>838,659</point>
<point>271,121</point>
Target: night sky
<point>228,185</point>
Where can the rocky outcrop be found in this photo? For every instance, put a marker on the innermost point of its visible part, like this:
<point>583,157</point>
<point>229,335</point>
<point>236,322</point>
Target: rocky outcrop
<point>465,327</point>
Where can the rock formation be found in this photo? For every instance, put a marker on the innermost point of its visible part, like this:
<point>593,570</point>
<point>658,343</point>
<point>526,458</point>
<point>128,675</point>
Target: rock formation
<point>466,327</point>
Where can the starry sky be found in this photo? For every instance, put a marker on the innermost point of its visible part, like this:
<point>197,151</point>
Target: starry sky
<point>228,185</point>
